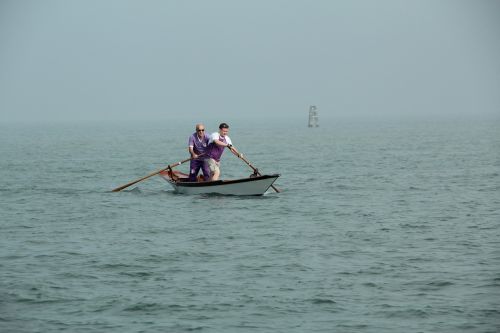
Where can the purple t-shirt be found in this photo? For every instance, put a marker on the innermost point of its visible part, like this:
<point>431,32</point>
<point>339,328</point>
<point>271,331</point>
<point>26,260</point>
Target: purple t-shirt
<point>215,151</point>
<point>200,146</point>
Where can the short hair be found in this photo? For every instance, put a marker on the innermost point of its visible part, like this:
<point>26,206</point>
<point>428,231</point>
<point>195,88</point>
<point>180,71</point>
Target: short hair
<point>223,125</point>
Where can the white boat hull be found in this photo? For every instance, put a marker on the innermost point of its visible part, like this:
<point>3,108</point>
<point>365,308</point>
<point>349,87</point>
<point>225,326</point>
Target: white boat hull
<point>245,186</point>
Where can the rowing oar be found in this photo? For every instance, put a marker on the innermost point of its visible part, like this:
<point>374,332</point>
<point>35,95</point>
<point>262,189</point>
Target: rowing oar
<point>254,169</point>
<point>150,175</point>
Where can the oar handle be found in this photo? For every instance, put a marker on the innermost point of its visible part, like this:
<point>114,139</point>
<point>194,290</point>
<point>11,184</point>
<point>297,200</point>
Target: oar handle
<point>249,164</point>
<point>118,189</point>
<point>254,169</point>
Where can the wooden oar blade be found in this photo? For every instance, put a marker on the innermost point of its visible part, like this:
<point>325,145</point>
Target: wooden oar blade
<point>118,189</point>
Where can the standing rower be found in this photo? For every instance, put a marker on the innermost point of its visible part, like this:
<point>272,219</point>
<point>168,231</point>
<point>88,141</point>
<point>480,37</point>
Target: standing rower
<point>198,146</point>
<point>218,141</point>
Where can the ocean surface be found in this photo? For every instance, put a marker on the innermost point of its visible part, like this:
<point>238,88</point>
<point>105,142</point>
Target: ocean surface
<point>381,226</point>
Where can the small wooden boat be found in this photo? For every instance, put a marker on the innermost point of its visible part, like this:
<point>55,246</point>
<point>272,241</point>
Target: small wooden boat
<point>253,185</point>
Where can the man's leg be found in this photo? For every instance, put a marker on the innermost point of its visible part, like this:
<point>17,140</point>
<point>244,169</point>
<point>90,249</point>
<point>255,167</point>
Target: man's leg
<point>194,168</point>
<point>214,169</point>
<point>206,170</point>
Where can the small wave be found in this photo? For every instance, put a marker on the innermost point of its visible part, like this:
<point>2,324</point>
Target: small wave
<point>14,256</point>
<point>410,313</point>
<point>440,283</point>
<point>144,307</point>
<point>435,285</point>
<point>353,327</point>
<point>415,226</point>
<point>420,259</point>
<point>73,275</point>
<point>52,190</point>
<point>292,267</point>
<point>72,253</point>
<point>104,305</point>
<point>247,326</point>
<point>41,256</point>
<point>322,301</point>
<point>154,306</point>
<point>490,312</point>
<point>155,258</point>
<point>136,274</point>
<point>489,189</point>
<point>447,218</point>
<point>119,266</point>
<point>38,299</point>
<point>387,306</point>
<point>197,328</point>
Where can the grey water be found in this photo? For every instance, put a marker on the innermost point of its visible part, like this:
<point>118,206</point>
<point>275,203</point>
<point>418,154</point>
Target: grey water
<point>381,226</point>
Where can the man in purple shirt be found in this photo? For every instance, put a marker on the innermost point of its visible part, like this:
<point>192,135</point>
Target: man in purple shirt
<point>219,141</point>
<point>198,146</point>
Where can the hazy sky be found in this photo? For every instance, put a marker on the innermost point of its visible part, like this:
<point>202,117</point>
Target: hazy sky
<point>102,60</point>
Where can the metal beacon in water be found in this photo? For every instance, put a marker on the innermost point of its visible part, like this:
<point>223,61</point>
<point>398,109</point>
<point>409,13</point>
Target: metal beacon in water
<point>313,116</point>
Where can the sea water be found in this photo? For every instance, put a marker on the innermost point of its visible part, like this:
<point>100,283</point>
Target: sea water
<point>381,226</point>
